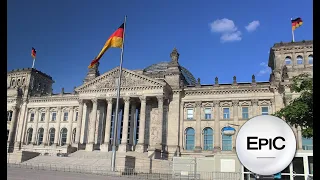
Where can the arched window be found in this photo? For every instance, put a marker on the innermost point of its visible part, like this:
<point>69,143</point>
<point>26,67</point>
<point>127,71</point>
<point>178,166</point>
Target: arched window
<point>310,59</point>
<point>226,143</point>
<point>40,136</point>
<point>74,135</point>
<point>51,136</point>
<point>8,135</point>
<point>23,81</point>
<point>9,115</point>
<point>307,143</point>
<point>29,135</point>
<point>207,139</point>
<point>13,82</point>
<point>18,82</point>
<point>189,138</point>
<point>299,60</point>
<point>63,136</point>
<point>288,60</point>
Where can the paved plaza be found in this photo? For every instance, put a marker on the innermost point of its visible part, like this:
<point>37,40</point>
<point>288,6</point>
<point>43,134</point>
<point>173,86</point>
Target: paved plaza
<point>32,174</point>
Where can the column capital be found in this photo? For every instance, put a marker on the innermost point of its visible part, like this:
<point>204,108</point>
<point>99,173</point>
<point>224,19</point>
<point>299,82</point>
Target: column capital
<point>235,102</point>
<point>216,102</point>
<point>14,108</point>
<point>36,108</point>
<point>254,101</point>
<point>198,103</point>
<point>94,100</point>
<point>126,99</point>
<point>81,101</point>
<point>109,100</point>
<point>59,108</point>
<point>272,101</point>
<point>71,108</point>
<point>47,109</point>
<point>160,98</point>
<point>142,98</point>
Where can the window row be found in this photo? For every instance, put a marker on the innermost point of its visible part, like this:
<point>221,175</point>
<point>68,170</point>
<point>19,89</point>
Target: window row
<point>53,115</point>
<point>208,114</point>
<point>299,60</point>
<point>207,140</point>
<point>19,82</point>
<point>9,115</point>
<point>51,136</point>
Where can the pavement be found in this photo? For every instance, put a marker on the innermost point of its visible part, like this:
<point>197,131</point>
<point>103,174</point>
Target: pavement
<point>32,174</point>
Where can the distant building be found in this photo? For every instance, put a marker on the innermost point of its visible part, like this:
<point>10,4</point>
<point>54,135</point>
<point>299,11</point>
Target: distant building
<point>164,110</point>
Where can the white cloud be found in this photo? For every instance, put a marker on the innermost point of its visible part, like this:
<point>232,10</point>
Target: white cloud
<point>252,26</point>
<point>227,28</point>
<point>265,69</point>
<point>229,37</point>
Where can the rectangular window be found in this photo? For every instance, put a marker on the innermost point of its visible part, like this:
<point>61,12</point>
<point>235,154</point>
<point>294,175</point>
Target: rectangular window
<point>76,116</point>
<point>226,113</point>
<point>65,116</point>
<point>264,110</point>
<point>207,113</point>
<point>42,116</point>
<point>31,116</point>
<point>189,113</point>
<point>54,116</point>
<point>245,113</point>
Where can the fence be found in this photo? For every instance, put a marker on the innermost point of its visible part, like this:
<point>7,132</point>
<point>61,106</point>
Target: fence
<point>132,173</point>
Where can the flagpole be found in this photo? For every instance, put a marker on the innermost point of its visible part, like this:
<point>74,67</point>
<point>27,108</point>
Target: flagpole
<point>292,32</point>
<point>115,129</point>
<point>34,59</point>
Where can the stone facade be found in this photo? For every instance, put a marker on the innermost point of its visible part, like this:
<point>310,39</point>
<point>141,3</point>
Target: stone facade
<point>164,110</point>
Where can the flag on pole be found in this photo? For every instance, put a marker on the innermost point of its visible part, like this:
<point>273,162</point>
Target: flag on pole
<point>114,41</point>
<point>33,53</point>
<point>295,23</point>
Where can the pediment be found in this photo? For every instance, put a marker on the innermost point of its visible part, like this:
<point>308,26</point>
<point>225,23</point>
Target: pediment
<point>129,78</point>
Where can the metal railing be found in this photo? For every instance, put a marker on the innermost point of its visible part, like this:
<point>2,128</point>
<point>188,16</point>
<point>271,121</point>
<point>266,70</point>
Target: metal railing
<point>136,173</point>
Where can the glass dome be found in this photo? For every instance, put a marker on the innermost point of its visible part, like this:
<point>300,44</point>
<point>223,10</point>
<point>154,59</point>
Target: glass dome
<point>162,67</point>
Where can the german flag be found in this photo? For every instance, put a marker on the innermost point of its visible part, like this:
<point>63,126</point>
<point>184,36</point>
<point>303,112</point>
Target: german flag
<point>295,23</point>
<point>33,53</point>
<point>114,41</point>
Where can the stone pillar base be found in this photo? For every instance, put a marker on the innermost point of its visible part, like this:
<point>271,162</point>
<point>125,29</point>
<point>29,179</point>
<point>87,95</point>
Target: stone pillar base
<point>123,148</point>
<point>141,148</point>
<point>105,147</point>
<point>216,149</point>
<point>89,147</point>
<point>154,152</point>
<point>197,149</point>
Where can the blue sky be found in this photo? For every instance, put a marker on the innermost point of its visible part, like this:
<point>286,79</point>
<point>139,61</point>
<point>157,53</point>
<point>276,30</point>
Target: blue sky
<point>214,38</point>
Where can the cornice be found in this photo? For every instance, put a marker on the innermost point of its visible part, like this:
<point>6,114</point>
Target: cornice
<point>226,91</point>
<point>136,88</point>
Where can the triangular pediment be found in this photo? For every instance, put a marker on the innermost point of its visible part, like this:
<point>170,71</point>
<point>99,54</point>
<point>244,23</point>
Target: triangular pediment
<point>129,78</point>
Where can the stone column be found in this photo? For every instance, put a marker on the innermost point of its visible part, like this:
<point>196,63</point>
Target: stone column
<point>254,107</point>
<point>198,127</point>
<point>217,129</point>
<point>57,132</point>
<point>132,123</point>
<point>299,138</point>
<point>21,121</point>
<point>160,120</point>
<point>124,145</point>
<point>35,127</point>
<point>12,125</point>
<point>140,147</point>
<point>272,101</point>
<point>70,119</point>
<point>46,127</point>
<point>105,146</point>
<point>92,125</point>
<point>235,104</point>
<point>79,122</point>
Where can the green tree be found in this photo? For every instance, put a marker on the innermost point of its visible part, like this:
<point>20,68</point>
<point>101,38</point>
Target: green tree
<point>299,111</point>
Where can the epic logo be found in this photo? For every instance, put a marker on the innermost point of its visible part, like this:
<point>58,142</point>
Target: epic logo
<point>265,145</point>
